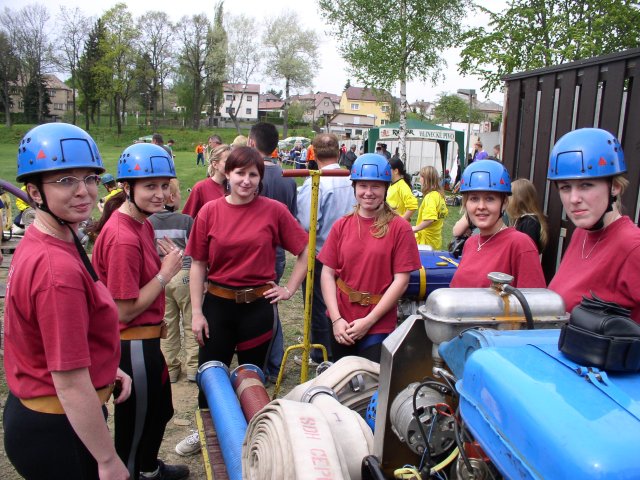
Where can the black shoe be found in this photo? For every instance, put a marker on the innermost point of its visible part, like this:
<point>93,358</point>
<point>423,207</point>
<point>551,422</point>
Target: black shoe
<point>170,472</point>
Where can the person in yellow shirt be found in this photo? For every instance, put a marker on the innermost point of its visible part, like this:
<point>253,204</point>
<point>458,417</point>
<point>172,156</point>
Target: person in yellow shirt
<point>112,187</point>
<point>433,210</point>
<point>399,196</point>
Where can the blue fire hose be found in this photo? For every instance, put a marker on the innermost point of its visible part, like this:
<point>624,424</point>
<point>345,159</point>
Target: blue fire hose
<point>227,416</point>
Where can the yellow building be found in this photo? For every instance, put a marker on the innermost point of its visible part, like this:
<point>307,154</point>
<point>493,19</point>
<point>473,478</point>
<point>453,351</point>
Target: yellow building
<point>367,102</point>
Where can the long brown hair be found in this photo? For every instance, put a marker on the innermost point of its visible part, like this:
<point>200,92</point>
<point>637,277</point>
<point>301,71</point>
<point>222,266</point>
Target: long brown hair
<point>430,181</point>
<point>524,201</point>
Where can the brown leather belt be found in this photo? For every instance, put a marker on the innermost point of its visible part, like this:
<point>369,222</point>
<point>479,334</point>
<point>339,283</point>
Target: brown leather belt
<point>362,298</point>
<point>51,403</point>
<point>242,295</point>
<point>144,332</point>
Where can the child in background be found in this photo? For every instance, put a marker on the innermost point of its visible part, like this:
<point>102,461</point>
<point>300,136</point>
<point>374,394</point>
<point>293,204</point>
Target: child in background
<point>432,211</point>
<point>525,214</point>
<point>177,227</point>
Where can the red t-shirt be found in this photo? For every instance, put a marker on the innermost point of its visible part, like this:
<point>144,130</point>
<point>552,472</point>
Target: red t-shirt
<point>126,259</point>
<point>203,191</point>
<point>367,264</point>
<point>56,318</point>
<point>611,269</point>
<point>238,242</point>
<point>509,251</point>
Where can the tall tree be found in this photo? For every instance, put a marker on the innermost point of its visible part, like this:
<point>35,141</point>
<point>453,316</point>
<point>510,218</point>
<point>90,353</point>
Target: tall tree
<point>452,108</point>
<point>71,39</point>
<point>243,59</point>
<point>216,63</point>
<point>291,55</point>
<point>36,103</point>
<point>531,34</point>
<point>121,38</point>
<point>8,75</point>
<point>26,31</point>
<point>194,46</point>
<point>395,41</point>
<point>155,47</point>
<point>92,79</point>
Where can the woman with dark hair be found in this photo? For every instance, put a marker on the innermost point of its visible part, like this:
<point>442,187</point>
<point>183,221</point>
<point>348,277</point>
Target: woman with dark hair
<point>399,196</point>
<point>233,247</point>
<point>127,261</point>
<point>61,347</point>
<point>524,212</point>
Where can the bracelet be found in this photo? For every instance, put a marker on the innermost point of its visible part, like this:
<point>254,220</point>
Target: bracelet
<point>334,321</point>
<point>287,289</point>
<point>163,282</point>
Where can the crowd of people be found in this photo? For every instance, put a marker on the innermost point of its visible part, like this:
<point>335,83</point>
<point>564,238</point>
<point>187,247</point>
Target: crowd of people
<point>78,331</point>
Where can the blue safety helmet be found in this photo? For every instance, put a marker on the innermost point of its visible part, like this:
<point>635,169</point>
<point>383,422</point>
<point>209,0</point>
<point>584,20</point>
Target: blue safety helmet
<point>485,176</point>
<point>586,153</point>
<point>371,166</point>
<point>56,146</point>
<point>106,178</point>
<point>145,160</point>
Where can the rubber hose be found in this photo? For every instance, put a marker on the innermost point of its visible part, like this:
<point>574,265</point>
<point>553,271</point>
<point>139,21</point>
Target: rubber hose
<point>290,440</point>
<point>525,305</point>
<point>248,383</point>
<point>228,420</point>
<point>15,191</point>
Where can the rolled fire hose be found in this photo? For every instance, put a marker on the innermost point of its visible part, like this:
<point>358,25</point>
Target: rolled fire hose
<point>227,416</point>
<point>353,379</point>
<point>248,383</point>
<point>292,440</point>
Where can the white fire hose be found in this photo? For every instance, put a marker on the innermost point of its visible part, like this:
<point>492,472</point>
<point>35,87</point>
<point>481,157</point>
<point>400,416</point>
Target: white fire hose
<point>289,440</point>
<point>353,379</point>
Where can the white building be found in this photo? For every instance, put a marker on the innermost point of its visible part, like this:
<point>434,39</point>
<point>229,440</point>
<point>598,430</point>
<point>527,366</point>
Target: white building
<point>241,99</point>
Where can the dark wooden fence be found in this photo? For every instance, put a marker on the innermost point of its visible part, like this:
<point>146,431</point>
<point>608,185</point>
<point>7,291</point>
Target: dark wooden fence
<point>544,104</point>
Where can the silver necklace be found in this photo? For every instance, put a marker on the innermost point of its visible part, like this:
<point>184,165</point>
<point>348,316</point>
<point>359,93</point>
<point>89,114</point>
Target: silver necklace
<point>480,245</point>
<point>584,240</point>
<point>46,229</point>
<point>131,214</point>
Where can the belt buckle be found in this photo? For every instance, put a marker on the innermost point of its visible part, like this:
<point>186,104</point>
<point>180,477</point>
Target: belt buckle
<point>246,295</point>
<point>365,299</point>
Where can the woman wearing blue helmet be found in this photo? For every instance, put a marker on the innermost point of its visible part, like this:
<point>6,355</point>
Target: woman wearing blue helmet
<point>603,257</point>
<point>61,347</point>
<point>367,257</point>
<point>127,261</point>
<point>485,186</point>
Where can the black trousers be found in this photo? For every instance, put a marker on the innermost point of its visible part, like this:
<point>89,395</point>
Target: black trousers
<point>45,446</point>
<point>141,420</point>
<point>245,328</point>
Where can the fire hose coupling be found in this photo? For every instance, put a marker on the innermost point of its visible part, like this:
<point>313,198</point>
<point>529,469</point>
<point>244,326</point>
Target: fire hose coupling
<point>207,365</point>
<point>241,369</point>
<point>307,397</point>
<point>501,282</point>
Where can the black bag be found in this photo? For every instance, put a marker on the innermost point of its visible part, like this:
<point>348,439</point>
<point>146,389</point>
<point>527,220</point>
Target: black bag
<point>456,245</point>
<point>603,335</point>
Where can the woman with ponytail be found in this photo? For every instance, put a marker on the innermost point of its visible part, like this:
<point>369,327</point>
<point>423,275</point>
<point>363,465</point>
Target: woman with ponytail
<point>367,257</point>
<point>399,196</point>
<point>211,187</point>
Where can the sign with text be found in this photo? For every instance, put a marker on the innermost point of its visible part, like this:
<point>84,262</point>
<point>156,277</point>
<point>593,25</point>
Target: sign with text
<point>394,133</point>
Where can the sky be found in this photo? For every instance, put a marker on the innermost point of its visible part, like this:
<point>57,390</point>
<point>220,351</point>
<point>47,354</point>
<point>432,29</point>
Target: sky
<point>334,71</point>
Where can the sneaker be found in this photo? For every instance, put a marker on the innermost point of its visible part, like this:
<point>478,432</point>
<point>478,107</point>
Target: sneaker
<point>189,446</point>
<point>168,472</point>
<point>298,361</point>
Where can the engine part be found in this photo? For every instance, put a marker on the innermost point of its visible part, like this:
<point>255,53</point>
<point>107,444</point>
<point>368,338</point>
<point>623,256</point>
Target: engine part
<point>370,416</point>
<point>248,383</point>
<point>438,427</point>
<point>228,420</point>
<point>436,272</point>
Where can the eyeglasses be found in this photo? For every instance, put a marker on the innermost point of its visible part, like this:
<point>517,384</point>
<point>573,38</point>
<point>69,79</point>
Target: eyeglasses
<point>72,183</point>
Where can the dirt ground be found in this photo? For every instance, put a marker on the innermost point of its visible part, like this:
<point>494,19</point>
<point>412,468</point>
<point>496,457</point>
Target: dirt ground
<point>184,392</point>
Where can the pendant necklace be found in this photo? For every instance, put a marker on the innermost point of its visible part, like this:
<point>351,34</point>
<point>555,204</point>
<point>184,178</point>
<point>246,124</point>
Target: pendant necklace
<point>480,245</point>
<point>46,229</point>
<point>584,240</point>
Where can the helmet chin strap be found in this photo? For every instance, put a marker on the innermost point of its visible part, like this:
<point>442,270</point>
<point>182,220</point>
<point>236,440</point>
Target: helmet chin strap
<point>131,199</point>
<point>600,223</point>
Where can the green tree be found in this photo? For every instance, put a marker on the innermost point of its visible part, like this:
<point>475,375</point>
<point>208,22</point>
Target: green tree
<point>216,64</point>
<point>531,34</point>
<point>291,55</point>
<point>276,93</point>
<point>392,41</point>
<point>36,100</point>
<point>121,38</point>
<point>8,75</point>
<point>452,108</point>
<point>92,79</point>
